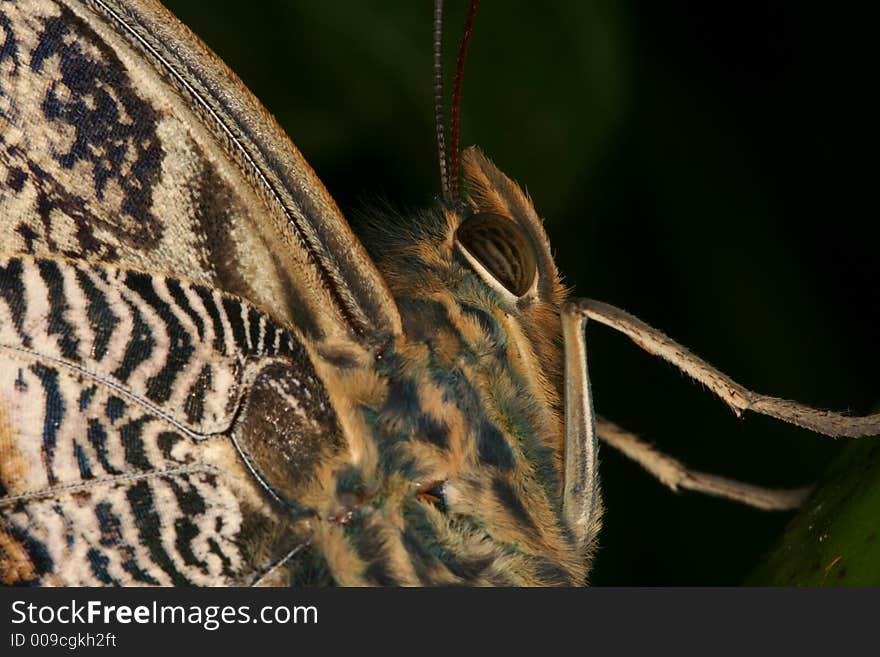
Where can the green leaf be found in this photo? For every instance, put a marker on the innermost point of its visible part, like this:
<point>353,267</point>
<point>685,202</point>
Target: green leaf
<point>834,540</point>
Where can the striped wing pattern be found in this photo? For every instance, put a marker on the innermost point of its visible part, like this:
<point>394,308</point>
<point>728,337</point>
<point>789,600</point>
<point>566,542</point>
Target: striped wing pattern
<point>120,396</point>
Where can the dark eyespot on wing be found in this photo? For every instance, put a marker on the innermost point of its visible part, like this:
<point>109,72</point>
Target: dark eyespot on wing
<point>287,426</point>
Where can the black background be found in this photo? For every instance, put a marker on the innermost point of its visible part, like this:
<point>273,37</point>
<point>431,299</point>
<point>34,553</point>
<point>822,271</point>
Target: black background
<point>709,167</point>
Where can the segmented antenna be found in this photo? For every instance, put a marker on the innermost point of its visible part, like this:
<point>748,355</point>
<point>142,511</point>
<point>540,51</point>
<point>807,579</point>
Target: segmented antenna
<point>456,95</point>
<point>439,118</point>
<point>449,164</point>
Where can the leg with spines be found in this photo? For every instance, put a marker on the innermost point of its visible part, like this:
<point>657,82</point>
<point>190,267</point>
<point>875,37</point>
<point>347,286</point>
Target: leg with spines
<point>668,470</point>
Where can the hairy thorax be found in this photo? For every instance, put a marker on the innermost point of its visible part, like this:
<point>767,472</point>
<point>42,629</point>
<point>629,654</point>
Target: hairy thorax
<point>452,471</point>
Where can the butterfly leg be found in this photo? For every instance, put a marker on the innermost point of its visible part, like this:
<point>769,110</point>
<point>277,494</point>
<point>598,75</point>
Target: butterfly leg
<point>676,475</point>
<point>733,394</point>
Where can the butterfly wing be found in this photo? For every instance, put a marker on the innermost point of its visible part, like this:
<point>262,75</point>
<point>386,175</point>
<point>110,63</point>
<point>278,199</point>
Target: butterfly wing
<point>125,140</point>
<point>137,443</point>
<point>154,431</point>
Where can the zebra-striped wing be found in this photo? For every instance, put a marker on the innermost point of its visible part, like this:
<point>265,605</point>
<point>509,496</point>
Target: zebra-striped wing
<point>132,410</point>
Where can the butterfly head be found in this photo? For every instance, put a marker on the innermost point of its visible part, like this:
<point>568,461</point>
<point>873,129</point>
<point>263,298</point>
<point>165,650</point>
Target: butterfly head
<point>454,474</point>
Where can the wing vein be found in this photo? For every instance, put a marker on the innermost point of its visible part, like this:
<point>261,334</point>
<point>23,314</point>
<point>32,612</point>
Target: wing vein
<point>152,408</point>
<point>200,468</point>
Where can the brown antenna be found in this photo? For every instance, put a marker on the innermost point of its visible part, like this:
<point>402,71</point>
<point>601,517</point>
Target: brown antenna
<point>456,96</point>
<point>449,167</point>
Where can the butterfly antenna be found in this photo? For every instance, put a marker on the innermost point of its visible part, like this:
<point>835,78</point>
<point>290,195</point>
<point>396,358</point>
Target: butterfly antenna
<point>456,96</point>
<point>439,118</point>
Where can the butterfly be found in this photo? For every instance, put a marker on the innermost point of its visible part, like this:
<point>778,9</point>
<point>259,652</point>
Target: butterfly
<point>208,379</point>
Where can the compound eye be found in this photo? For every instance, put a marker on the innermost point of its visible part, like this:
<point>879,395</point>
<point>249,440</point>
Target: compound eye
<point>497,246</point>
<point>433,493</point>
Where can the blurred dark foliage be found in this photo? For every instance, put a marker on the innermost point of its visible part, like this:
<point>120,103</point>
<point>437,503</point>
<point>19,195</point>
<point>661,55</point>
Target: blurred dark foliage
<point>709,167</point>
